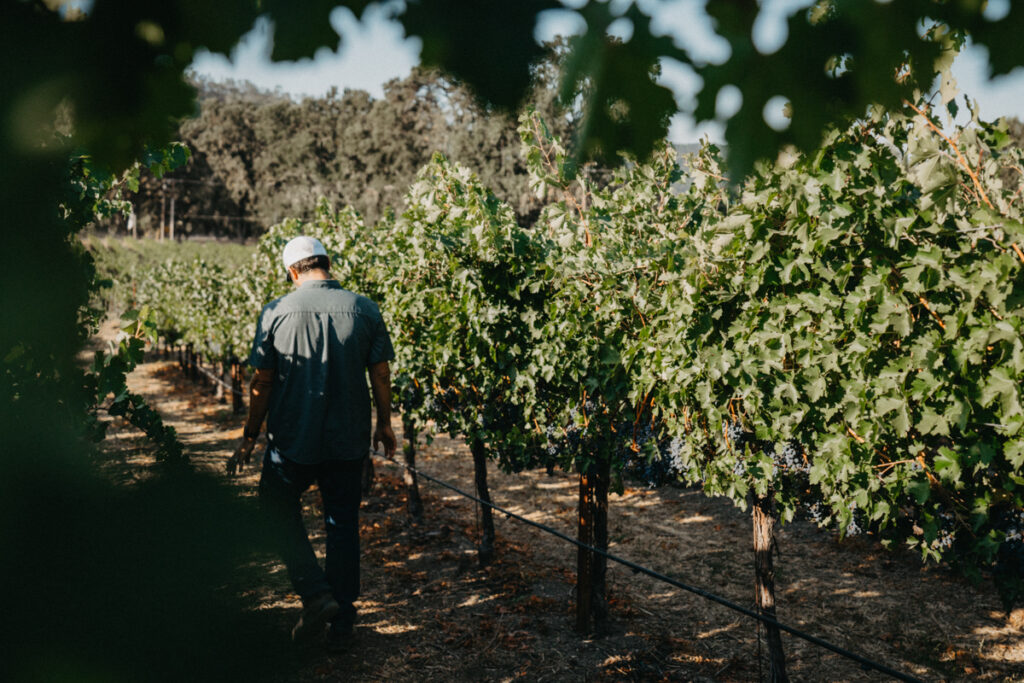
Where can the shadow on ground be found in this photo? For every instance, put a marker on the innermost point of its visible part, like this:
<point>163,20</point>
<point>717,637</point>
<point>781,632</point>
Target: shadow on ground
<point>430,612</point>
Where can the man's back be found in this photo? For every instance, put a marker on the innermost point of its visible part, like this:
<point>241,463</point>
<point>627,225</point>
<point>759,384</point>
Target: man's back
<point>319,340</point>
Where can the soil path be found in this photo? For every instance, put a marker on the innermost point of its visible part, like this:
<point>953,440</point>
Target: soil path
<point>429,612</point>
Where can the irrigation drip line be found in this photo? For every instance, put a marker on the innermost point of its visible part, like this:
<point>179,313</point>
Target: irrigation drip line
<point>640,569</point>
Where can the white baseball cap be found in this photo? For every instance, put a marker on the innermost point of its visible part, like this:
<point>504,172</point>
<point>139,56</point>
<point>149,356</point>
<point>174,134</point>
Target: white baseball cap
<point>300,248</point>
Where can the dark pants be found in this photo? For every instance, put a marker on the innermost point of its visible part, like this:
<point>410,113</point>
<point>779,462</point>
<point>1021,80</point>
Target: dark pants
<point>281,487</point>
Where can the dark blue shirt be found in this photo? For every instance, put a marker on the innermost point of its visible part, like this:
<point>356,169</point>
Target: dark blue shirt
<point>319,340</point>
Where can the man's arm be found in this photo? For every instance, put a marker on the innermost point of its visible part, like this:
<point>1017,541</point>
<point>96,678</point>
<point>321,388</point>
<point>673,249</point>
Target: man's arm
<point>259,403</point>
<point>380,382</point>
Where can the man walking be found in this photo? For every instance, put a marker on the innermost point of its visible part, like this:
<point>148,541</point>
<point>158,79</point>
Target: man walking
<point>311,354</point>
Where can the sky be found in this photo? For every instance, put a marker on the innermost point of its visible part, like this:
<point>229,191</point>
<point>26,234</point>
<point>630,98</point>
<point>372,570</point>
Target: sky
<point>376,50</point>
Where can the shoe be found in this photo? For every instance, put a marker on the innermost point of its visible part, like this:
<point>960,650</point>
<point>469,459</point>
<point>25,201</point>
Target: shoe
<point>340,635</point>
<point>316,612</point>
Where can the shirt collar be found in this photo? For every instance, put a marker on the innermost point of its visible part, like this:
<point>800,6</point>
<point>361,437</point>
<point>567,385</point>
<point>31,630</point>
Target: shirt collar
<point>321,284</point>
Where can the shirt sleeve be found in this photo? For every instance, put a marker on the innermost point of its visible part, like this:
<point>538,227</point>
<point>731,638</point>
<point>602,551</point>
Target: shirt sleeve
<point>263,355</point>
<point>380,343</point>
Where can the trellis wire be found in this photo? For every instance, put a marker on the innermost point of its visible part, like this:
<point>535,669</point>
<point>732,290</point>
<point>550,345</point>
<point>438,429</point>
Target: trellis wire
<point>640,569</point>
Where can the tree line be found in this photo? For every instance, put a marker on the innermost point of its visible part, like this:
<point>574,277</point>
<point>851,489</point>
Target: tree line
<point>259,157</point>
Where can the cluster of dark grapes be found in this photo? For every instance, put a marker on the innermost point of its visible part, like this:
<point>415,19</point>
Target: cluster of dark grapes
<point>791,461</point>
<point>647,453</point>
<point>947,532</point>
<point>501,416</point>
<point>450,399</point>
<point>855,527</point>
<point>791,457</point>
<point>737,436</point>
<point>641,450</point>
<point>446,407</point>
<point>570,440</point>
<point>407,397</point>
<point>1012,525</point>
<point>817,512</point>
<point>787,456</point>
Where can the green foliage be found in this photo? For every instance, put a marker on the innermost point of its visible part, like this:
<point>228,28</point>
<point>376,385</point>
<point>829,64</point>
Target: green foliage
<point>863,302</point>
<point>603,249</point>
<point>108,373</point>
<point>852,299</point>
<point>458,292</point>
<point>840,57</point>
<point>119,263</point>
<point>108,377</point>
<point>842,332</point>
<point>158,554</point>
<point>194,302</point>
<point>33,369</point>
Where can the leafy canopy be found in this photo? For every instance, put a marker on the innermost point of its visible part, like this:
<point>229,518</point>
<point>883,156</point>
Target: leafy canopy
<point>840,57</point>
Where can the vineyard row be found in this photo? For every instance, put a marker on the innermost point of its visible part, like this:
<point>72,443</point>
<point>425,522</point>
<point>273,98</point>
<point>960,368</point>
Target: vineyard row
<point>838,336</point>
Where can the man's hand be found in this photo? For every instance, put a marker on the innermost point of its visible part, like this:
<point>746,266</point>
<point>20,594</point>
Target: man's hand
<point>259,403</point>
<point>384,434</point>
<point>242,455</point>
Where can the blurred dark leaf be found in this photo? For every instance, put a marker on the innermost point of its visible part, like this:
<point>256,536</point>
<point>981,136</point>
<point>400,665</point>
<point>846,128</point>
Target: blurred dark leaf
<point>1002,37</point>
<point>123,64</point>
<point>122,68</point>
<point>624,108</point>
<point>301,28</point>
<point>830,69</point>
<point>140,572</point>
<point>489,45</point>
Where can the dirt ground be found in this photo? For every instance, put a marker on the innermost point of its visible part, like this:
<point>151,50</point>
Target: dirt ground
<point>429,612</point>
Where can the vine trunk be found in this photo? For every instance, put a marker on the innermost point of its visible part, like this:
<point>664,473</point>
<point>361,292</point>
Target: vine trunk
<point>414,504</point>
<point>486,552</point>
<point>763,513</point>
<point>592,567</point>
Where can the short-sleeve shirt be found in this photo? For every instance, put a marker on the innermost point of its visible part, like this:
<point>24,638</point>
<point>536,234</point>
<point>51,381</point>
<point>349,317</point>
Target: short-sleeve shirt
<point>319,339</point>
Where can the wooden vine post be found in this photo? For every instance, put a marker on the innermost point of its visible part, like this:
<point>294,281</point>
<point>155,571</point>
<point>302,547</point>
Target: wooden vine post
<point>218,389</point>
<point>763,514</point>
<point>237,405</point>
<point>592,567</point>
<point>479,451</point>
<point>414,504</point>
<point>585,535</point>
<point>190,362</point>
<point>599,570</point>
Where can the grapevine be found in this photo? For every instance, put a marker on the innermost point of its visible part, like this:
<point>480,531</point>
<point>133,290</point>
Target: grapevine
<point>838,333</point>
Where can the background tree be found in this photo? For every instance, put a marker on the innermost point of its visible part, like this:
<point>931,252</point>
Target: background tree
<point>259,157</point>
